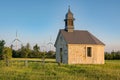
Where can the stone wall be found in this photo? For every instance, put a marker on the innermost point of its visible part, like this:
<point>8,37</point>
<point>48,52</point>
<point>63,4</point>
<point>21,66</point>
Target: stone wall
<point>61,44</point>
<point>77,54</point>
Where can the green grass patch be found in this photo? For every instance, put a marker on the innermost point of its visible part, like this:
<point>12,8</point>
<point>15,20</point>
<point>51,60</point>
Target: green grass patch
<point>51,71</point>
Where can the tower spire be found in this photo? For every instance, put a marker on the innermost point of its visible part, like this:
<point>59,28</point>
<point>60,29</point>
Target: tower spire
<point>69,8</point>
<point>69,25</point>
<point>16,34</point>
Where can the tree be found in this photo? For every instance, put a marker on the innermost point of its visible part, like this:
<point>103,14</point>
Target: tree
<point>2,43</point>
<point>25,50</point>
<point>36,48</point>
<point>117,56</point>
<point>16,53</point>
<point>108,56</point>
<point>7,53</point>
<point>35,53</point>
<point>51,54</point>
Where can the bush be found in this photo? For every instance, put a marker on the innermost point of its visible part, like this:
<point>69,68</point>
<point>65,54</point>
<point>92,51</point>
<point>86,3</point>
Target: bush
<point>50,54</point>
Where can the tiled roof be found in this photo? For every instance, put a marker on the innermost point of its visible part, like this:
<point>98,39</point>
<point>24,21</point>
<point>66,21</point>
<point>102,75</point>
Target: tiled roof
<point>80,37</point>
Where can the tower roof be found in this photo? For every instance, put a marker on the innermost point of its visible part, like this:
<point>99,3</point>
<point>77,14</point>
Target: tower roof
<point>69,21</point>
<point>69,14</point>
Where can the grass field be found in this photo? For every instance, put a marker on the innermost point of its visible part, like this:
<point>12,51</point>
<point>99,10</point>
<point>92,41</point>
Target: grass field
<point>51,71</point>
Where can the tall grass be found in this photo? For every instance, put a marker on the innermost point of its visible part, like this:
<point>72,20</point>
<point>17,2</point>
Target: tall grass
<point>51,71</point>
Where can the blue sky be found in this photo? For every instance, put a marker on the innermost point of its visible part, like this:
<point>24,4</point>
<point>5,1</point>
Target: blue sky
<point>38,20</point>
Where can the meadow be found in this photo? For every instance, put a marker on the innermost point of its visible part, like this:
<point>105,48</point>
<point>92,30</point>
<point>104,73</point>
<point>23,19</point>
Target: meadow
<point>36,70</point>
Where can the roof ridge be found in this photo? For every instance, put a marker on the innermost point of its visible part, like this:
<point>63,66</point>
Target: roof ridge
<point>75,30</point>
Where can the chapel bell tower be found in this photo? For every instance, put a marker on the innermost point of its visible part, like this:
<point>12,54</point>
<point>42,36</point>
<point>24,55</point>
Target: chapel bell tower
<point>69,21</point>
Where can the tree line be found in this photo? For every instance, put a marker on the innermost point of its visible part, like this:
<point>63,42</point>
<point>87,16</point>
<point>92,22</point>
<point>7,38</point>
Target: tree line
<point>24,52</point>
<point>35,52</point>
<point>114,55</point>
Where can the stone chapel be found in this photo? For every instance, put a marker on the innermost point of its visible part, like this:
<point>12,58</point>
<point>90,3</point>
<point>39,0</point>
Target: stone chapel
<point>77,46</point>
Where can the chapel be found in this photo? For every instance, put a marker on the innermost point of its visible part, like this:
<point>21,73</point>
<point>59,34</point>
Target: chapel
<point>77,46</point>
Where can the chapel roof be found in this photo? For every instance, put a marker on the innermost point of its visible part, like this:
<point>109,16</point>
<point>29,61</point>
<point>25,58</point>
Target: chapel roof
<point>80,37</point>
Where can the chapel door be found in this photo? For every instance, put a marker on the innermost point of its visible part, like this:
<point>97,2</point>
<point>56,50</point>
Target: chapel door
<point>60,55</point>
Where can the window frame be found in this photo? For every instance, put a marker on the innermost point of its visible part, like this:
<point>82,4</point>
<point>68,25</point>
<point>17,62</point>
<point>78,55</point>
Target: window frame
<point>89,51</point>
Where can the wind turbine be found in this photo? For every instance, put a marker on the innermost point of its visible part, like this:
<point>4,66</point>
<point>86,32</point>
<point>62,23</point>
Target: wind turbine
<point>50,43</point>
<point>16,40</point>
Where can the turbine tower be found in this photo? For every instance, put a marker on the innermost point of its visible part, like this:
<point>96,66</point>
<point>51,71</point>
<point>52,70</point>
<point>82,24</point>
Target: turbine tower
<point>50,43</point>
<point>16,40</point>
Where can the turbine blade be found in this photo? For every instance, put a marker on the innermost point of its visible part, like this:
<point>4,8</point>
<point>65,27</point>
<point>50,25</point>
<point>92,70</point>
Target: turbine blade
<point>50,43</point>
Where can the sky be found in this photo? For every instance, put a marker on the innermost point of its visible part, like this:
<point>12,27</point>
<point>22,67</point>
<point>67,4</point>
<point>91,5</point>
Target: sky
<point>38,21</point>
